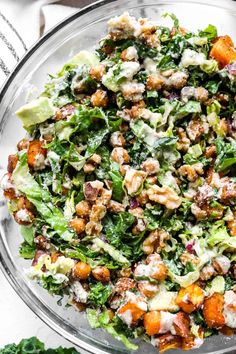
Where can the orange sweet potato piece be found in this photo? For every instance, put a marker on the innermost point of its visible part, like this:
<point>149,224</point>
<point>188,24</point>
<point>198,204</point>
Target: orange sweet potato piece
<point>182,324</point>
<point>213,311</point>
<point>190,298</point>
<point>134,309</point>
<point>223,50</point>
<point>152,322</point>
<point>168,341</point>
<point>35,149</point>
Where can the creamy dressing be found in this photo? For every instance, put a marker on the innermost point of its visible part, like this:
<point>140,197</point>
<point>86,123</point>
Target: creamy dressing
<point>39,162</point>
<point>229,311</point>
<point>23,215</point>
<point>126,317</point>
<point>166,324</point>
<point>81,295</point>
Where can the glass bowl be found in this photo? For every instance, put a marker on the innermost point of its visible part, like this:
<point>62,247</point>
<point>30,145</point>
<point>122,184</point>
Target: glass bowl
<point>82,31</point>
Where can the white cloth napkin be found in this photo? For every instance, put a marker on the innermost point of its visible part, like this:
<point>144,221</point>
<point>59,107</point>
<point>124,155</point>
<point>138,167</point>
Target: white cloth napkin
<point>21,24</point>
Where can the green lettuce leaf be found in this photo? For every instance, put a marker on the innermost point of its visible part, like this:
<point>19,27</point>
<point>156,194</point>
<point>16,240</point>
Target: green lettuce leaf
<point>41,199</point>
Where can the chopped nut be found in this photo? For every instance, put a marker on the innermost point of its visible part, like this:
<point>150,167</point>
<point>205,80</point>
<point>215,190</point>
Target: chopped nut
<point>191,171</point>
<point>92,189</point>
<point>221,264</point>
<point>98,212</point>
<point>93,228</point>
<point>183,142</point>
<point>133,181</point>
<point>95,158</point>
<point>117,139</point>
<point>124,284</point>
<point>105,196</point>
<point>142,198</point>
<point>154,82</point>
<point>150,166</point>
<point>89,168</point>
<point>207,272</point>
<point>83,209</point>
<point>201,94</point>
<point>99,99</point>
<point>198,212</point>
<point>155,241</point>
<point>139,227</point>
<point>137,212</point>
<point>42,243</point>
<point>210,151</point>
<point>164,195</point>
<point>188,257</point>
<point>115,207</point>
<point>120,155</point>
<point>195,129</point>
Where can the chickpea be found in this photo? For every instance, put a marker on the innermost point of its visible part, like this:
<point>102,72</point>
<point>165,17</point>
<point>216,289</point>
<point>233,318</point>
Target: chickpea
<point>120,155</point>
<point>23,144</point>
<point>190,299</point>
<point>36,155</point>
<point>97,72</point>
<point>154,82</point>
<point>152,322</point>
<point>99,99</point>
<point>24,217</point>
<point>24,203</point>
<point>101,274</point>
<point>83,209</point>
<point>78,224</point>
<point>81,271</point>
<point>12,162</point>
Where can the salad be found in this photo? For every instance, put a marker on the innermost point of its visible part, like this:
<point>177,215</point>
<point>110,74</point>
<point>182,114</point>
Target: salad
<point>125,184</point>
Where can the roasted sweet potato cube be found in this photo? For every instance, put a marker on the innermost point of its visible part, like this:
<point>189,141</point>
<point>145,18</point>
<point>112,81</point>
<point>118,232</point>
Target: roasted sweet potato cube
<point>133,309</point>
<point>190,298</point>
<point>152,322</point>
<point>223,50</point>
<point>213,311</point>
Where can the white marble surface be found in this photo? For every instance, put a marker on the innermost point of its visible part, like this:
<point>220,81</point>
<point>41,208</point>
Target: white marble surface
<point>18,321</point>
